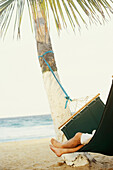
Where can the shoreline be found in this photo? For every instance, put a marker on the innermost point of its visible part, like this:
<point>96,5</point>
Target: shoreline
<point>35,154</point>
<point>26,140</point>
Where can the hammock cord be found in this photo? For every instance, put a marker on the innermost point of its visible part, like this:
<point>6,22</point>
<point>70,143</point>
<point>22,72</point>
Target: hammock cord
<point>66,95</point>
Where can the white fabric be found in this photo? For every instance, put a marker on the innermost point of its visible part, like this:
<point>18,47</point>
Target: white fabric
<point>86,137</point>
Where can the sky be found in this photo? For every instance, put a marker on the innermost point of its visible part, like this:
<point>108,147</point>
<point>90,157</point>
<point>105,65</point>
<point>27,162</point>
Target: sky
<point>84,62</point>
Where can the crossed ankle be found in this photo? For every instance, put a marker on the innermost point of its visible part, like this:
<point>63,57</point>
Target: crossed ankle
<point>55,143</point>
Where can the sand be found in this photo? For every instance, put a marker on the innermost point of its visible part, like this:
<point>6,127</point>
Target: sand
<point>35,154</point>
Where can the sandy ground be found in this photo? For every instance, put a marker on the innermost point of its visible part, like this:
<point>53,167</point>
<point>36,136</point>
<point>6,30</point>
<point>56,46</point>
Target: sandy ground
<point>35,154</point>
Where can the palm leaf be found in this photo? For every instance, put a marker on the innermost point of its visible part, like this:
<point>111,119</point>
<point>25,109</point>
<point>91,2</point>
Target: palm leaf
<point>74,10</point>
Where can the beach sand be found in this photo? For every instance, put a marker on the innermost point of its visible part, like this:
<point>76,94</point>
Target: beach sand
<point>35,154</point>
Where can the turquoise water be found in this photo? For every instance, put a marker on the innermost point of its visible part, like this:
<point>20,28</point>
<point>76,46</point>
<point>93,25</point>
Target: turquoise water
<point>24,128</point>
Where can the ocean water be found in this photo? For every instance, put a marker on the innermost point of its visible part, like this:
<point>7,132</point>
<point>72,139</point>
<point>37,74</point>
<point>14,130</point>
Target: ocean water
<point>24,128</point>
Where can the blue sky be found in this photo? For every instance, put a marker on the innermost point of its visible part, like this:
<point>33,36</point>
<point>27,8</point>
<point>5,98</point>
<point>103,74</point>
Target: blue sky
<point>84,62</point>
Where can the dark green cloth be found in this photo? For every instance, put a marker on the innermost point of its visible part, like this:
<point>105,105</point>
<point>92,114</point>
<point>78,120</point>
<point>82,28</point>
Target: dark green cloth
<point>102,141</point>
<point>85,121</point>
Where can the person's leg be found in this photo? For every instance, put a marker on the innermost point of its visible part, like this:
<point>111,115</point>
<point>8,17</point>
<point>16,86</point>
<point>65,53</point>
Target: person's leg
<point>61,151</point>
<point>73,142</point>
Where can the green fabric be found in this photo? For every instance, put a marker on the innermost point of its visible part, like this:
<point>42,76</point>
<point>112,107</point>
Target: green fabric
<point>102,142</point>
<point>85,121</point>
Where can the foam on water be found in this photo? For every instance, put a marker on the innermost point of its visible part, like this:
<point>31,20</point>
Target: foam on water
<point>22,128</point>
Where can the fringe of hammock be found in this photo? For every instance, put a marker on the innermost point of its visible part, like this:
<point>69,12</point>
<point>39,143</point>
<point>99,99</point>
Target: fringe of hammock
<point>78,103</point>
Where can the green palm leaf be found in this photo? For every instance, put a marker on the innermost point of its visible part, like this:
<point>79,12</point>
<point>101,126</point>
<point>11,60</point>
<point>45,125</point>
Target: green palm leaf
<point>61,10</point>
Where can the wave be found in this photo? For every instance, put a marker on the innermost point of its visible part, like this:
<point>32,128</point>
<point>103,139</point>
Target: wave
<point>26,121</point>
<point>22,133</point>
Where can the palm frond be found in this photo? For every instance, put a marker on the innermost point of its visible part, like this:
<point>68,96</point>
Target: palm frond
<point>73,10</point>
<point>20,8</point>
<point>95,10</point>
<point>7,8</point>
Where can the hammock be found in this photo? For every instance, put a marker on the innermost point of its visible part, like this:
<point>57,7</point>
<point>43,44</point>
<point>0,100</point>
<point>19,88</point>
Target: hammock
<point>84,120</point>
<point>93,115</point>
<point>102,141</point>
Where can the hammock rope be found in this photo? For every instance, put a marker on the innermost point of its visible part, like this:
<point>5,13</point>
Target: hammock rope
<point>67,97</point>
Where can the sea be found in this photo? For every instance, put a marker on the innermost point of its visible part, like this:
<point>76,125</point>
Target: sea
<point>26,128</point>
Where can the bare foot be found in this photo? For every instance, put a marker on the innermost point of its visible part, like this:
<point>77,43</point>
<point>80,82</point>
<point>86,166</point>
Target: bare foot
<point>55,143</point>
<point>57,151</point>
